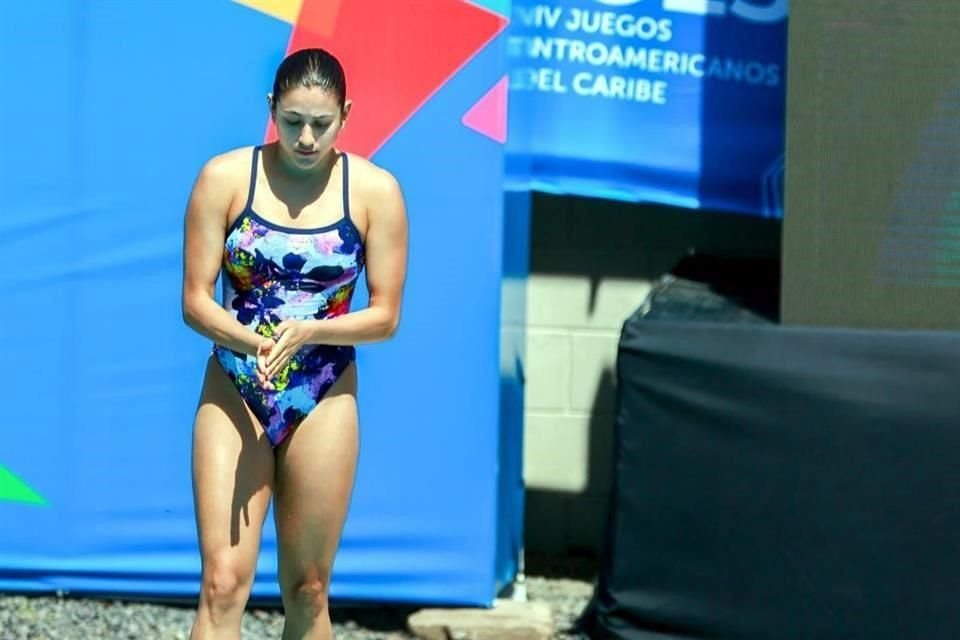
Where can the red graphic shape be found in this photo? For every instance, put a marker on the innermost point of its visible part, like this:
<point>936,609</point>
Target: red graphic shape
<point>489,115</point>
<point>396,55</point>
<point>323,16</point>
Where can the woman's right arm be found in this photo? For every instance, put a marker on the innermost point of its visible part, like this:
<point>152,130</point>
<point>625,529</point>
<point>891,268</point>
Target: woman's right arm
<point>204,234</point>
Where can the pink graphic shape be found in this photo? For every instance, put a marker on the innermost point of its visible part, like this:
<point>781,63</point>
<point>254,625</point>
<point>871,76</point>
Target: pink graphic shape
<point>489,115</point>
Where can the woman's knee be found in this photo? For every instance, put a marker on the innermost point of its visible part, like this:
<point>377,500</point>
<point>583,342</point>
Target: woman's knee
<point>225,584</point>
<point>309,593</point>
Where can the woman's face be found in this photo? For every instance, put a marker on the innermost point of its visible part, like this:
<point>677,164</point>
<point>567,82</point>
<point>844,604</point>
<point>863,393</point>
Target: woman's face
<point>308,121</point>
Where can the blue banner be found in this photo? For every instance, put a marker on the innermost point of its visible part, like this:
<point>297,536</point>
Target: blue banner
<point>119,105</point>
<point>679,102</point>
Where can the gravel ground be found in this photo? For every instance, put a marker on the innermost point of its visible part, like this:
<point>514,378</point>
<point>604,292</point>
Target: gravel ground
<point>564,583</point>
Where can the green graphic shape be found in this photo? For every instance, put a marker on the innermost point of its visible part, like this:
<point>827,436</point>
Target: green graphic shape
<point>13,489</point>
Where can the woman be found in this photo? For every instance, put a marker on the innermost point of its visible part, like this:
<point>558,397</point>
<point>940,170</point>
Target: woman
<point>292,224</point>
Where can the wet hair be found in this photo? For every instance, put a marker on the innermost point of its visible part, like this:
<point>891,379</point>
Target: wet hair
<point>310,68</point>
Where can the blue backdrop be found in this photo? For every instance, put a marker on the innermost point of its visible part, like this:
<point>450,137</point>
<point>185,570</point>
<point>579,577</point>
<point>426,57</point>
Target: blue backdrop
<point>112,108</point>
<point>678,102</point>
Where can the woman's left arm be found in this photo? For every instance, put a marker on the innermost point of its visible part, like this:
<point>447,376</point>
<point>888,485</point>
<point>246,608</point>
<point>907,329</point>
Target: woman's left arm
<point>385,248</point>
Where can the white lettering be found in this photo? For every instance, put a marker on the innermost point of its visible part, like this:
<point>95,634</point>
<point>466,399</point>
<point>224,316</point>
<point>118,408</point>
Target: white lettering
<point>696,7</point>
<point>542,79</point>
<point>773,75</point>
<point>620,88</point>
<point>653,61</point>
<point>671,62</point>
<point>624,25</point>
<point>774,12</point>
<point>578,51</point>
<point>539,16</point>
<point>649,60</point>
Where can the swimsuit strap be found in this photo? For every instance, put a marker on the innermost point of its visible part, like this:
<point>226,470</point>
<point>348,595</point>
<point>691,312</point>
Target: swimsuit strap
<point>253,176</point>
<point>346,186</point>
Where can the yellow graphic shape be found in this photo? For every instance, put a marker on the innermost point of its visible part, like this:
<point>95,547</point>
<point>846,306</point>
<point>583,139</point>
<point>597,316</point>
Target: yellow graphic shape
<point>286,10</point>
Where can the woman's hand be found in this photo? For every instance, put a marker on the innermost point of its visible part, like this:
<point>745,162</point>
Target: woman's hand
<point>264,348</point>
<point>290,336</point>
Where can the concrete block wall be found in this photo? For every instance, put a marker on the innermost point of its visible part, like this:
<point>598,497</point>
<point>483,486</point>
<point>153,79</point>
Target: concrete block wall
<point>592,264</point>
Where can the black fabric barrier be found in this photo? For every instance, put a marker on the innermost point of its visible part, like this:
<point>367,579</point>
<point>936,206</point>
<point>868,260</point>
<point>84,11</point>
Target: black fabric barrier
<point>780,483</point>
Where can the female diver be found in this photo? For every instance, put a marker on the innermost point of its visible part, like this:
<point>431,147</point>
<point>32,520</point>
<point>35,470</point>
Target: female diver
<point>291,225</point>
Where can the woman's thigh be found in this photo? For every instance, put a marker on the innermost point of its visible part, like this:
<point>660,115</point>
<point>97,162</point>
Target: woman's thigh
<point>233,467</point>
<point>316,465</point>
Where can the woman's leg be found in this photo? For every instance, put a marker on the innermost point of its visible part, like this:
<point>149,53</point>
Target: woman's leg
<point>315,471</point>
<point>233,468</point>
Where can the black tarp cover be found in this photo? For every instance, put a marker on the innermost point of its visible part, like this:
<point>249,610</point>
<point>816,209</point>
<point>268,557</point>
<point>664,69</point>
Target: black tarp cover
<point>779,483</point>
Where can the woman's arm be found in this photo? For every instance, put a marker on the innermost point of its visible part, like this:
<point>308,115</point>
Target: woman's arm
<point>204,233</point>
<point>385,247</point>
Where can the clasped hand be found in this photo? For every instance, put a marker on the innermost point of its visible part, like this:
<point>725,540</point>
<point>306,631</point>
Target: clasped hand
<point>274,353</point>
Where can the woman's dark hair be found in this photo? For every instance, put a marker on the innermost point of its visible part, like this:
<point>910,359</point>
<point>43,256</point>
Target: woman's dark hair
<point>310,68</point>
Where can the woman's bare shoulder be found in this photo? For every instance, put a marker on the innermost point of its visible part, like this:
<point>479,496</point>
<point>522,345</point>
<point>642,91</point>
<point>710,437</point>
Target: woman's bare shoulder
<point>379,192</point>
<point>228,167</point>
<point>369,177</point>
<point>221,184</point>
